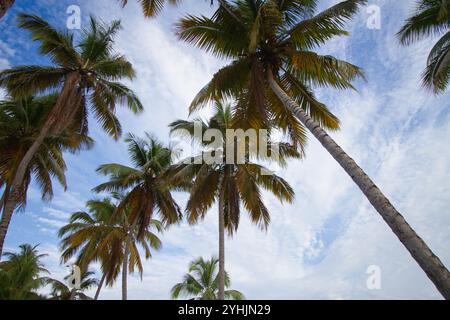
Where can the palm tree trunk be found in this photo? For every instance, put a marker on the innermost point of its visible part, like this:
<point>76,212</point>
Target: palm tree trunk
<point>5,196</point>
<point>4,6</point>
<point>4,224</point>
<point>125,271</point>
<point>221,249</point>
<point>427,260</point>
<point>72,294</point>
<point>67,94</point>
<point>100,285</point>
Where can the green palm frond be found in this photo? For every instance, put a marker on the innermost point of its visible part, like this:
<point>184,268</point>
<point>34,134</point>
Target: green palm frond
<point>432,18</point>
<point>201,283</point>
<point>152,8</point>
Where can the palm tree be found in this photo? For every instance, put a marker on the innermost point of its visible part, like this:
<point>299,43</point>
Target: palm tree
<point>60,290</point>
<point>106,236</point>
<point>21,274</point>
<point>271,74</point>
<point>145,184</point>
<point>229,182</point>
<point>432,18</point>
<point>202,282</point>
<point>87,75</point>
<point>20,123</point>
<point>4,6</point>
<point>84,236</point>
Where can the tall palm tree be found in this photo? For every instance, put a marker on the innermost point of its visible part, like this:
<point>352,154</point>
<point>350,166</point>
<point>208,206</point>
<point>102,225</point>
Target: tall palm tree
<point>271,74</point>
<point>4,6</point>
<point>108,237</point>
<point>20,124</point>
<point>228,182</point>
<point>21,274</point>
<point>202,282</point>
<point>87,75</point>
<point>147,189</point>
<point>61,291</point>
<point>432,18</point>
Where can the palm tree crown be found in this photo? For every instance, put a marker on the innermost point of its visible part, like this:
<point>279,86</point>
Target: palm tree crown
<point>21,274</point>
<point>102,235</point>
<point>61,291</point>
<point>278,37</point>
<point>432,18</point>
<point>202,283</point>
<point>147,189</point>
<point>92,66</point>
<point>234,184</point>
<point>20,123</point>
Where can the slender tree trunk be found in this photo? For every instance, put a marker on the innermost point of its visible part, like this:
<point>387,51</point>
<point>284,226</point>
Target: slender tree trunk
<point>221,249</point>
<point>4,197</point>
<point>125,271</point>
<point>72,294</point>
<point>100,285</point>
<point>427,260</point>
<point>66,96</point>
<point>5,5</point>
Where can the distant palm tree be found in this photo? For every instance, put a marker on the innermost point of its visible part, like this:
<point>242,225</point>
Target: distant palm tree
<point>61,291</point>
<point>21,274</point>
<point>202,282</point>
<point>147,190</point>
<point>87,75</point>
<point>432,18</point>
<point>20,123</point>
<point>108,236</point>
<point>4,6</point>
<point>272,72</point>
<point>228,183</point>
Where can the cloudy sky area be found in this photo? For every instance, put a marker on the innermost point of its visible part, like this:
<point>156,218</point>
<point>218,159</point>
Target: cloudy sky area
<point>321,246</point>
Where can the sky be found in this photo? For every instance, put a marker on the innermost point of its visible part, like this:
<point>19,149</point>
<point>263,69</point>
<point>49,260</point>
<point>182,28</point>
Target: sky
<point>326,244</point>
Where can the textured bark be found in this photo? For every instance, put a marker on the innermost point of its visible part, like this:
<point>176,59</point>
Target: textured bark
<point>427,260</point>
<point>221,295</point>
<point>73,294</point>
<point>65,99</point>
<point>4,197</point>
<point>125,271</point>
<point>5,5</point>
<point>100,285</point>
<point>4,224</point>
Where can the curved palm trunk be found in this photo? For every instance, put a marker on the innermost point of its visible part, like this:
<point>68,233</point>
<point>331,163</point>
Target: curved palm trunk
<point>5,5</point>
<point>4,224</point>
<point>66,98</point>
<point>125,271</point>
<point>418,249</point>
<point>221,249</point>
<point>4,197</point>
<point>100,285</point>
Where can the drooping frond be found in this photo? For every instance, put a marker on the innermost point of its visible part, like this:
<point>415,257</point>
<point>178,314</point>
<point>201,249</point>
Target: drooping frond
<point>152,8</point>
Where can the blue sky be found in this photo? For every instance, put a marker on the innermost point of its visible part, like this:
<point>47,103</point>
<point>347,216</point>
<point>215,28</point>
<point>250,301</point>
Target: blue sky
<point>320,246</point>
